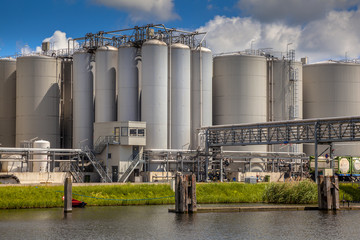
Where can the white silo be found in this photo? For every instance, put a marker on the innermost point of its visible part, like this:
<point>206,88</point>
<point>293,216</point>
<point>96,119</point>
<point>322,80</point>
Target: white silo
<point>154,99</point>
<point>7,102</point>
<point>83,100</point>
<point>285,91</point>
<point>40,163</point>
<point>127,84</point>
<point>331,89</point>
<point>38,99</point>
<point>180,96</point>
<point>240,95</point>
<point>201,92</point>
<point>106,58</point>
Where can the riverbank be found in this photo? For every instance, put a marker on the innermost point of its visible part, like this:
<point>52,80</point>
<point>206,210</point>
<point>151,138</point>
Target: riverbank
<point>12,197</point>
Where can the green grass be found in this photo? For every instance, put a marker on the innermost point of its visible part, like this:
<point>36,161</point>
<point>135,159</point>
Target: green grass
<point>229,192</point>
<point>304,192</point>
<point>142,194</point>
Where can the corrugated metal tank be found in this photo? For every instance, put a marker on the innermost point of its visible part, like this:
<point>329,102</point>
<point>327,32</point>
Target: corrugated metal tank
<point>154,99</point>
<point>38,99</point>
<point>106,59</point>
<point>83,100</point>
<point>286,89</point>
<point>331,89</point>
<point>7,102</point>
<point>180,96</point>
<point>42,165</point>
<point>127,84</point>
<point>201,92</point>
<point>67,113</point>
<point>240,95</point>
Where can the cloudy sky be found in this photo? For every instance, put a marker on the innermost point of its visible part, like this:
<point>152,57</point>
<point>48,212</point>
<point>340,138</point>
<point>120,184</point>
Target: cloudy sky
<point>319,29</point>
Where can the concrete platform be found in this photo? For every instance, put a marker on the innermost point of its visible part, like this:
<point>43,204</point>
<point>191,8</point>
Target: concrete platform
<point>264,208</point>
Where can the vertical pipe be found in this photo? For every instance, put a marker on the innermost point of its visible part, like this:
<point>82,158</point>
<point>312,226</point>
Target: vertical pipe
<point>316,152</point>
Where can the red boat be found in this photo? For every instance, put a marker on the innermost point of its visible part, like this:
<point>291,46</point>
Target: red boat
<point>76,203</point>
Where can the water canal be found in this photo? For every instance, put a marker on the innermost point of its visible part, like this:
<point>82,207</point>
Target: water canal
<point>154,222</point>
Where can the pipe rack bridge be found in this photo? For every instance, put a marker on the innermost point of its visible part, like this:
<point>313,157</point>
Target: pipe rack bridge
<point>323,130</point>
<point>317,131</point>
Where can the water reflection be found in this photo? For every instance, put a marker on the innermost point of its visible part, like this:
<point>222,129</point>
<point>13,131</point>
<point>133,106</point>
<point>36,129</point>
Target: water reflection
<point>154,222</point>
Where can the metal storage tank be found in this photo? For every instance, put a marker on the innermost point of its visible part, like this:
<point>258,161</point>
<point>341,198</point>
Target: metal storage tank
<point>42,165</point>
<point>128,100</point>
<point>66,107</point>
<point>83,100</point>
<point>180,96</point>
<point>38,99</point>
<point>154,99</point>
<point>106,58</point>
<point>240,95</point>
<point>7,102</point>
<point>201,92</point>
<point>285,91</point>
<point>331,89</point>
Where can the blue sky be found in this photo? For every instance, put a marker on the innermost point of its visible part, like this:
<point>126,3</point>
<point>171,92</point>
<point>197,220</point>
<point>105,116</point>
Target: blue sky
<point>319,29</point>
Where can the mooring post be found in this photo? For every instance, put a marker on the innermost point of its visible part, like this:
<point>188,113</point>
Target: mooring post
<point>328,193</point>
<point>185,193</point>
<point>68,195</point>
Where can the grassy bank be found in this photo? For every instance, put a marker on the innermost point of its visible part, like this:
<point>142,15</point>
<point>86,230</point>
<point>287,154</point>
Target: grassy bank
<point>141,194</point>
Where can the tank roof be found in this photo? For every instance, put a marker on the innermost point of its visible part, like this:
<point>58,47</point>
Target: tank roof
<point>331,62</point>
<point>203,49</point>
<point>154,42</point>
<point>107,48</point>
<point>179,45</point>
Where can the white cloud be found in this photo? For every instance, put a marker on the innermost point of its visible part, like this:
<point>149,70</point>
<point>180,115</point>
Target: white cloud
<point>236,34</point>
<point>333,36</point>
<point>292,11</point>
<point>138,10</point>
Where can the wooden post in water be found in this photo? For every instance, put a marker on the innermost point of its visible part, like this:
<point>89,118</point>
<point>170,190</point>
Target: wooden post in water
<point>328,193</point>
<point>68,195</point>
<point>185,193</point>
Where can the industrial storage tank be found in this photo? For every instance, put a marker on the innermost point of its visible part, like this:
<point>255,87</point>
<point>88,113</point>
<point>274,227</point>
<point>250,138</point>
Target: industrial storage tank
<point>331,89</point>
<point>40,163</point>
<point>66,105</point>
<point>38,99</point>
<point>154,99</point>
<point>83,100</point>
<point>128,100</point>
<point>239,88</point>
<point>180,97</point>
<point>285,94</point>
<point>7,102</point>
<point>201,92</point>
<point>106,58</point>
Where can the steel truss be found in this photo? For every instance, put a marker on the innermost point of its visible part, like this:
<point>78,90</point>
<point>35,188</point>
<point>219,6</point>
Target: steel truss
<point>317,131</point>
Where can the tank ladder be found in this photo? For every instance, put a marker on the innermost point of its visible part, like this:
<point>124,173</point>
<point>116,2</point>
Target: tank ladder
<point>135,162</point>
<point>99,169</point>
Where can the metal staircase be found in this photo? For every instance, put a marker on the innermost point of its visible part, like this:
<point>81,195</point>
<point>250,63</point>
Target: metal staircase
<point>103,141</point>
<point>99,169</point>
<point>76,172</point>
<point>135,162</point>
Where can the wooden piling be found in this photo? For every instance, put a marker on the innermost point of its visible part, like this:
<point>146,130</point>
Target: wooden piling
<point>185,193</point>
<point>68,195</point>
<point>328,193</point>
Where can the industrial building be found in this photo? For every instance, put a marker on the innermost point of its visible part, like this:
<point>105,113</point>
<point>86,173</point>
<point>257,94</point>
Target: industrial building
<point>131,105</point>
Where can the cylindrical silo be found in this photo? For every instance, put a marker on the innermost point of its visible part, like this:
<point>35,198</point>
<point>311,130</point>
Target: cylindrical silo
<point>180,96</point>
<point>154,99</point>
<point>106,58</point>
<point>127,84</point>
<point>40,163</point>
<point>331,89</point>
<point>201,92</point>
<point>38,99</point>
<point>7,102</point>
<point>83,100</point>
<point>66,107</point>
<point>240,95</point>
<point>285,91</point>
